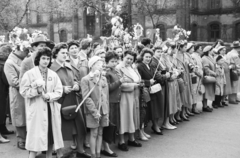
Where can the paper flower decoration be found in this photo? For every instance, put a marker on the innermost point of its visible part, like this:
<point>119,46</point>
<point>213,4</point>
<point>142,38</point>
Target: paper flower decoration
<point>20,37</point>
<point>138,31</point>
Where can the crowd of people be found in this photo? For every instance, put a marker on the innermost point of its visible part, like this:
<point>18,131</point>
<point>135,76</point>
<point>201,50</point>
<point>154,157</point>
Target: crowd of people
<point>67,91</point>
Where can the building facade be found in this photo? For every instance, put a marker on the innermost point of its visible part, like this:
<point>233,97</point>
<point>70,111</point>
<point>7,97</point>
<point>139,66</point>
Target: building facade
<point>207,19</point>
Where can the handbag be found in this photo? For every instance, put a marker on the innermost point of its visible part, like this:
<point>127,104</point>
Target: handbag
<point>109,133</point>
<point>194,79</point>
<point>209,79</point>
<point>233,75</point>
<point>69,113</point>
<point>155,88</point>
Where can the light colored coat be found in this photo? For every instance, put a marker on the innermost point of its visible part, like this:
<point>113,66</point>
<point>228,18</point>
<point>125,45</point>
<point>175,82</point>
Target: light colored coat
<point>209,69</point>
<point>37,111</point>
<point>12,72</point>
<point>198,88</point>
<point>129,104</point>
<point>233,57</point>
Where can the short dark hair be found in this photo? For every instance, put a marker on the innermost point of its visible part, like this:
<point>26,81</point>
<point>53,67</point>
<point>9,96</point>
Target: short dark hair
<point>197,47</point>
<point>139,48</point>
<point>156,48</point>
<point>143,52</point>
<point>72,43</point>
<point>85,44</point>
<point>146,41</point>
<point>111,55</point>
<point>57,48</point>
<point>129,52</point>
<point>180,46</point>
<point>43,52</point>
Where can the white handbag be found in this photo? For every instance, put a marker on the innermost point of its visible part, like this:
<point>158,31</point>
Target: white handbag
<point>155,88</point>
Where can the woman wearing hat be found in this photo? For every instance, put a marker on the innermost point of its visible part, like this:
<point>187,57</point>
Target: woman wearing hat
<point>193,73</point>
<point>96,103</point>
<point>198,88</point>
<point>209,72</point>
<point>227,66</point>
<point>174,98</point>
<point>185,80</point>
<point>233,57</point>
<point>74,126</point>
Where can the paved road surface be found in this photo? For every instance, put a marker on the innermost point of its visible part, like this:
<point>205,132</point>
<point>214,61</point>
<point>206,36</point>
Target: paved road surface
<point>209,135</point>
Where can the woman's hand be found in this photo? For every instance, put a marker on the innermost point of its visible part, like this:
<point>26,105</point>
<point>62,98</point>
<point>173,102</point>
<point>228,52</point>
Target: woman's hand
<point>40,89</point>
<point>75,87</point>
<point>152,81</point>
<point>97,116</point>
<point>167,75</point>
<point>67,89</point>
<point>45,97</point>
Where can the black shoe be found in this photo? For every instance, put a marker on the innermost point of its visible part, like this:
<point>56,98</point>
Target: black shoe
<point>54,153</point>
<point>224,104</point>
<point>134,143</point>
<point>87,146</point>
<point>156,132</point>
<point>210,108</point>
<point>123,147</point>
<point>104,152</point>
<point>85,155</point>
<point>206,109</point>
<point>215,106</point>
<point>7,132</point>
<point>21,145</point>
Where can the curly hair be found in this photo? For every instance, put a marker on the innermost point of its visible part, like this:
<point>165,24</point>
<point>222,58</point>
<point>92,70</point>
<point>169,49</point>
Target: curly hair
<point>143,52</point>
<point>111,55</point>
<point>43,52</point>
<point>57,48</point>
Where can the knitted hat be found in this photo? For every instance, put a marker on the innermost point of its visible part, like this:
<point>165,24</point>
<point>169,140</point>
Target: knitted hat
<point>93,60</point>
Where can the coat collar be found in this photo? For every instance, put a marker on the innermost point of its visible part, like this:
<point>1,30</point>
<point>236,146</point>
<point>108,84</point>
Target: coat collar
<point>55,66</point>
<point>149,71</point>
<point>15,59</point>
<point>125,71</point>
<point>73,64</point>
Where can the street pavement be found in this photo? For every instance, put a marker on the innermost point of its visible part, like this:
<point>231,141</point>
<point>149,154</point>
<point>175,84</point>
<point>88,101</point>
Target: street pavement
<point>208,135</point>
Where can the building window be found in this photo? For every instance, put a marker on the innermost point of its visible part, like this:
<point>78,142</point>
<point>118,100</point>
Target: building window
<point>90,20</point>
<point>214,32</point>
<point>162,31</point>
<point>214,4</point>
<point>237,28</point>
<point>194,31</point>
<point>39,18</point>
<point>63,36</point>
<point>194,4</point>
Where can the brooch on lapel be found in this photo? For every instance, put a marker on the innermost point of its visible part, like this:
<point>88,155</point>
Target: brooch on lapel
<point>49,78</point>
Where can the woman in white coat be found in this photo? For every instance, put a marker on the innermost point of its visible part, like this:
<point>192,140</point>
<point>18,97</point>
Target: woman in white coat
<point>41,88</point>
